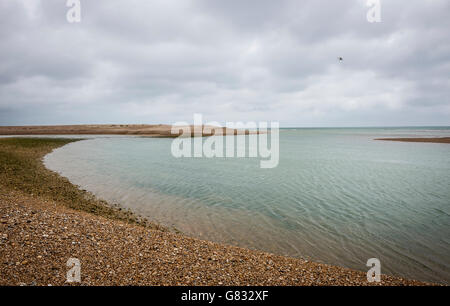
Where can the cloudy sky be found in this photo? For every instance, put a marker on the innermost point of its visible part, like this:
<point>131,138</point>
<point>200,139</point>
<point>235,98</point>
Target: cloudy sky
<point>146,61</point>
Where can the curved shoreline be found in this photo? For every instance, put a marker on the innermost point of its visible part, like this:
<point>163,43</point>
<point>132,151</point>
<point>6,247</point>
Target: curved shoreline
<point>45,221</point>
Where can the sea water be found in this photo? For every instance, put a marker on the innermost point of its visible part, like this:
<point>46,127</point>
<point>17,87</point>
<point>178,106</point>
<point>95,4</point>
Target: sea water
<point>337,196</point>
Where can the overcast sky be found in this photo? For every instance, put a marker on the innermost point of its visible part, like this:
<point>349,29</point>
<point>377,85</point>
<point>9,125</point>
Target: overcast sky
<point>148,61</point>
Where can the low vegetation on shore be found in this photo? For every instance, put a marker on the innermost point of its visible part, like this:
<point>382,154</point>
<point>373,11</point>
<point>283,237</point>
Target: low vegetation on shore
<point>21,168</point>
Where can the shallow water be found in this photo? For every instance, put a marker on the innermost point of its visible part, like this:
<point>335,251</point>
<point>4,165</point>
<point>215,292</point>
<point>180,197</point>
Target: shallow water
<point>337,196</point>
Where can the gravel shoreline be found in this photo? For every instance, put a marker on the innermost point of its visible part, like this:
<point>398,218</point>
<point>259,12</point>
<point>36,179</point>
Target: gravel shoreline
<point>37,239</point>
<point>38,234</point>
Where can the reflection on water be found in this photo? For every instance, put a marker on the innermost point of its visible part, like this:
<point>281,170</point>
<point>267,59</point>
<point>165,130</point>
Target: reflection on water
<point>337,196</point>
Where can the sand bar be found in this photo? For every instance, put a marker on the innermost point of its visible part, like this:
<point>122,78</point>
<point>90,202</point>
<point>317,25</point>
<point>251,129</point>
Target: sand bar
<point>416,139</point>
<point>151,130</point>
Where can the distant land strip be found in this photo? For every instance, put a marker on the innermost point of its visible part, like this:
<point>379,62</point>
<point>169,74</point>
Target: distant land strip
<point>151,130</point>
<point>426,139</point>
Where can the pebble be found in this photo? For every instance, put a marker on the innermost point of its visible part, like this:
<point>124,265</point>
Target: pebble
<point>170,258</point>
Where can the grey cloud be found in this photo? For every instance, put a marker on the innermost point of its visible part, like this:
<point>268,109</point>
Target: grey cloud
<point>161,61</point>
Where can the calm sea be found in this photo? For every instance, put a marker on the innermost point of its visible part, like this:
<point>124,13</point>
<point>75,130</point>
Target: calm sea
<point>337,196</point>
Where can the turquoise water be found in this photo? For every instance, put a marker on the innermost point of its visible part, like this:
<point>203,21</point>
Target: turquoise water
<point>337,196</point>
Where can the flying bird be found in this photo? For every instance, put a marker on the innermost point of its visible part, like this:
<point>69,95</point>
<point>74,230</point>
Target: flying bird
<point>340,58</point>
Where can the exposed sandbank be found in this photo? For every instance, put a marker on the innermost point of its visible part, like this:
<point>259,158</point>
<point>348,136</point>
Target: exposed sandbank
<point>414,139</point>
<point>152,130</point>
